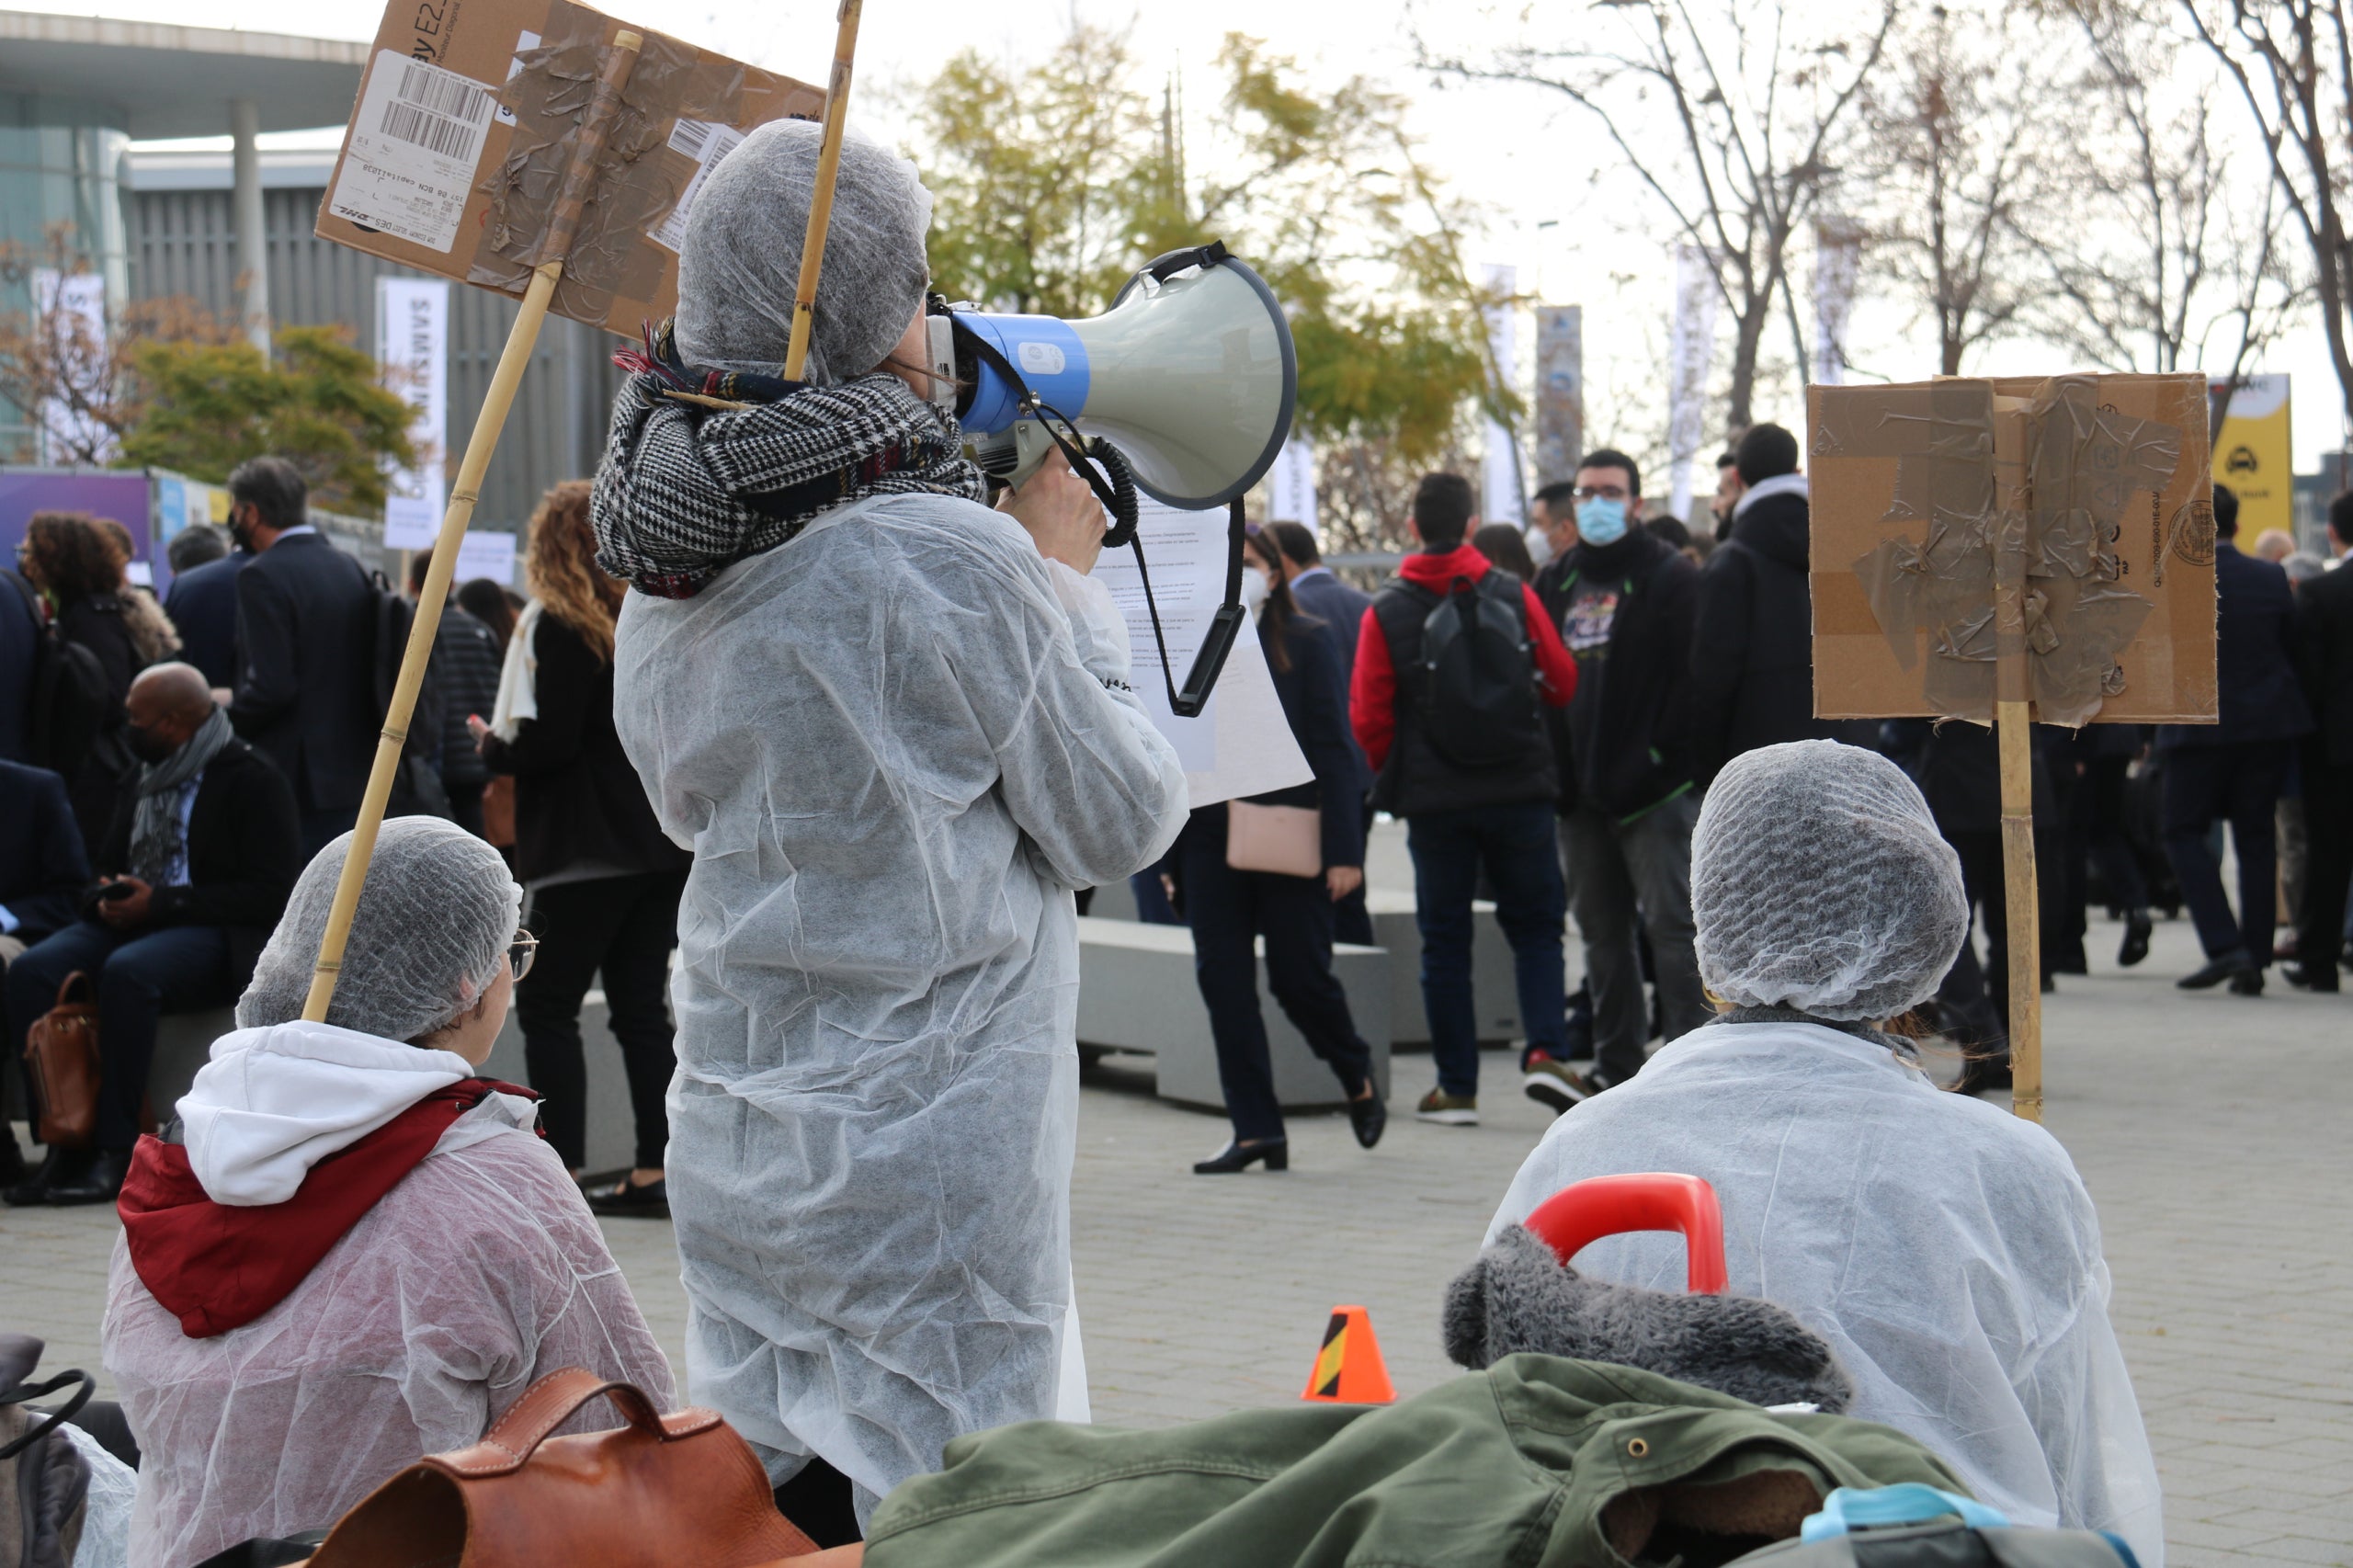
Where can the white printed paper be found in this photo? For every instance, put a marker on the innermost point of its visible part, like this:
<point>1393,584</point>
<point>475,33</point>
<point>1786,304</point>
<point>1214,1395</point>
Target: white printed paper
<point>416,142</point>
<point>1241,745</point>
<point>412,347</point>
<point>708,145</point>
<point>486,555</point>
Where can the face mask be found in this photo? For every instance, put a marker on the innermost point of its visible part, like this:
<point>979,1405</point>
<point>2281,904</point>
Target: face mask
<point>1539,547</point>
<point>1601,520</point>
<point>1254,591</point>
<point>146,745</point>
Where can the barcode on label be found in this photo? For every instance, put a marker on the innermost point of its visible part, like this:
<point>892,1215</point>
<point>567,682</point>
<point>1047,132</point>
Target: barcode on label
<point>690,136</point>
<point>431,131</point>
<point>444,93</point>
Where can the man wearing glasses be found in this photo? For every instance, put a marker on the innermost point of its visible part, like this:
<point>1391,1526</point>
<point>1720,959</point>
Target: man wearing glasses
<point>1622,599</point>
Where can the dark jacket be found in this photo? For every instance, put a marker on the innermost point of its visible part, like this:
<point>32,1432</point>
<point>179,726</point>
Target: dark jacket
<point>576,797</point>
<point>1339,606</point>
<point>20,634</point>
<point>2323,641</point>
<point>465,673</point>
<point>1752,650</point>
<point>244,850</point>
<point>306,685</point>
<point>2255,661</point>
<point>203,605</point>
<point>96,621</point>
<point>1629,730</point>
<point>1385,711</point>
<point>1315,704</point>
<point>44,871</point>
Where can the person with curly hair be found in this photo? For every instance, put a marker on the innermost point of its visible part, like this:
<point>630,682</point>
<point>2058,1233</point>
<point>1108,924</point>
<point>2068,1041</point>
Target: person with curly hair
<point>604,881</point>
<point>79,573</point>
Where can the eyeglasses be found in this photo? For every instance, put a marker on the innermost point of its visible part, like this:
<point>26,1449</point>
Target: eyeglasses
<point>1603,493</point>
<point>522,953</point>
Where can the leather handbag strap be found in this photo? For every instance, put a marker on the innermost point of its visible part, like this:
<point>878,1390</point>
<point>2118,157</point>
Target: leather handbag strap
<point>551,1401</point>
<point>65,989</point>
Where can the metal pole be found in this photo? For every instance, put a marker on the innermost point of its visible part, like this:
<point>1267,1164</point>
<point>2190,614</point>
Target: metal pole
<point>246,213</point>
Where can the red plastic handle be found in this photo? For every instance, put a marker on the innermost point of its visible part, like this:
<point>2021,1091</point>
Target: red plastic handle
<point>1608,1206</point>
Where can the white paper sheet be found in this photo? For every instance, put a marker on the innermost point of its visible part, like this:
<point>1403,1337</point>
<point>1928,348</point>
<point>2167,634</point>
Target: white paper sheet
<point>1241,745</point>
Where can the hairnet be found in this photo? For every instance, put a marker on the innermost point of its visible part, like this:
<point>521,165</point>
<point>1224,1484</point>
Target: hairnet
<point>435,916</point>
<point>1819,881</point>
<point>740,261</point>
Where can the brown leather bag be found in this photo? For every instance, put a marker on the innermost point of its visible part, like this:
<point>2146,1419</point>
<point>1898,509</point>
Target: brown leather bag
<point>61,1060</point>
<point>661,1492</point>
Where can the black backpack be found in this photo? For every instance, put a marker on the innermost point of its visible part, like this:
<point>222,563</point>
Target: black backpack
<point>1475,681</point>
<point>69,695</point>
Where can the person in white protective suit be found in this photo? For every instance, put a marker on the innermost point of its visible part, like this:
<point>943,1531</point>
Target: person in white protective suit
<point>896,730</point>
<point>1945,1248</point>
<point>353,1252</point>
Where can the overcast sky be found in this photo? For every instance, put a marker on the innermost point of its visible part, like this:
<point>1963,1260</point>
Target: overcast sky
<point>1557,207</point>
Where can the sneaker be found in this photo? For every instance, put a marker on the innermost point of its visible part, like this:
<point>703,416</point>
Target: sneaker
<point>1553,1083</point>
<point>1447,1111</point>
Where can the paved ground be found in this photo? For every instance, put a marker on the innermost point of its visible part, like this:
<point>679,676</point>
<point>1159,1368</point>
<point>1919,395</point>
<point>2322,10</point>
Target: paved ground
<point>2210,1129</point>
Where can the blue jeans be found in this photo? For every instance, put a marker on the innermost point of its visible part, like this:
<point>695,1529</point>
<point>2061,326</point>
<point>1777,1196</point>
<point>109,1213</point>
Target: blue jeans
<point>139,976</point>
<point>1514,844</point>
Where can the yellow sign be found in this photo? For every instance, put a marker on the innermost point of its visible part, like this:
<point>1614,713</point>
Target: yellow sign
<point>2251,456</point>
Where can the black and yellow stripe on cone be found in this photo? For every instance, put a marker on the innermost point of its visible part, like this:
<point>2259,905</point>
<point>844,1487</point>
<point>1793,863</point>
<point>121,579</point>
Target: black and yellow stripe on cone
<point>1349,1368</point>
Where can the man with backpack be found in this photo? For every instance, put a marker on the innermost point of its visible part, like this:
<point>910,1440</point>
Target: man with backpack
<point>307,640</point>
<point>1623,603</point>
<point>1455,660</point>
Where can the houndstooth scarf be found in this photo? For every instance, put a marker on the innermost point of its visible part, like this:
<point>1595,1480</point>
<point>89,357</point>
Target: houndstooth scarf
<point>687,490</point>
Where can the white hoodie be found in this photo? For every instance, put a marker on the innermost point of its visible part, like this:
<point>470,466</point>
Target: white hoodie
<point>273,1102</point>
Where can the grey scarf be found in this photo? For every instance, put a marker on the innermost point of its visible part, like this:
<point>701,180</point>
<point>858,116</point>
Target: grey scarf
<point>158,838</point>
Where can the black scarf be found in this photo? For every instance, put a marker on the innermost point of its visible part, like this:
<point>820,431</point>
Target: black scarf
<point>687,490</point>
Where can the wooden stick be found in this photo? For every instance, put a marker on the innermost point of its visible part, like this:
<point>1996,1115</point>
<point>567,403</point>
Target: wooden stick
<point>821,200</point>
<point>2014,739</point>
<point>512,362</point>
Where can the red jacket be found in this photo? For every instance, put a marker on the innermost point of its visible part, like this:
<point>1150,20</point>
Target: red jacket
<point>1372,700</point>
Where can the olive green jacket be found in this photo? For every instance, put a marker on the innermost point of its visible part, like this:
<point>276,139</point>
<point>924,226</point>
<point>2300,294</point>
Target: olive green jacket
<point>1539,1460</point>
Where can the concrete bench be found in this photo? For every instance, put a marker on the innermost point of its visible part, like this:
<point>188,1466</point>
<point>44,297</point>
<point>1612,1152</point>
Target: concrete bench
<point>1494,997</point>
<point>1137,992</point>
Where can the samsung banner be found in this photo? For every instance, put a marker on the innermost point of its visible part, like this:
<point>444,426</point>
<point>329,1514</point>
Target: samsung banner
<point>1290,485</point>
<point>1502,493</point>
<point>412,347</point>
<point>1838,256</point>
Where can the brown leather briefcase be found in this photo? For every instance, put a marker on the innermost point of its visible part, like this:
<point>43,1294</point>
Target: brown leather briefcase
<point>661,1492</point>
<point>61,1060</point>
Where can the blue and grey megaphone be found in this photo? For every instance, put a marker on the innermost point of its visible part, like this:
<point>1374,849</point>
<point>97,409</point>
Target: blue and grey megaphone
<point>1191,374</point>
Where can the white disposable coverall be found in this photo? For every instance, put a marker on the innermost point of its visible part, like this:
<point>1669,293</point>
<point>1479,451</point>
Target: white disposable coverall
<point>894,744</point>
<point>1946,1249</point>
<point>478,1274</point>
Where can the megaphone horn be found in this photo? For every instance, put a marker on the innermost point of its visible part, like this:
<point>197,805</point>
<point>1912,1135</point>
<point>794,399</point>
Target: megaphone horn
<point>1191,373</point>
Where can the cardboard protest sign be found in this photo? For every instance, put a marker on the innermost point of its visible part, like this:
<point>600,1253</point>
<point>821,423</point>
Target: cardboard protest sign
<point>457,159</point>
<point>2080,505</point>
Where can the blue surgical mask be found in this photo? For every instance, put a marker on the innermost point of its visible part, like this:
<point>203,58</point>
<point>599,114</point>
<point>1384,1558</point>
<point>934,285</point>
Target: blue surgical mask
<point>1601,520</point>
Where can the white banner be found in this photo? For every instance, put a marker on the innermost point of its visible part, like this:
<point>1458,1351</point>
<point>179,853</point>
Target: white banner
<point>485,553</point>
<point>1290,485</point>
<point>1691,346</point>
<point>1502,496</point>
<point>70,312</point>
<point>413,348</point>
<point>1837,257</point>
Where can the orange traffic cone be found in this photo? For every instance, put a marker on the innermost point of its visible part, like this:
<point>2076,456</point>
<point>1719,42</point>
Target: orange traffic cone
<point>1349,1369</point>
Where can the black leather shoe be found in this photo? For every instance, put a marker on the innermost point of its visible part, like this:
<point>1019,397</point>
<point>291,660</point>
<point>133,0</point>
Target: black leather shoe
<point>1981,1072</point>
<point>99,1182</point>
<point>1369,1115</point>
<point>2248,982</point>
<point>625,1200</point>
<point>56,1164</point>
<point>2135,946</point>
<point>1239,1156</point>
<point>2305,979</point>
<point>2216,971</point>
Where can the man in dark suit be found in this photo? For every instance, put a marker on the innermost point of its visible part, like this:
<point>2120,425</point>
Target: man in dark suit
<point>2324,635</point>
<point>42,875</point>
<point>2236,768</point>
<point>20,634</point>
<point>203,607</point>
<point>306,650</point>
<point>199,861</point>
<point>1340,608</point>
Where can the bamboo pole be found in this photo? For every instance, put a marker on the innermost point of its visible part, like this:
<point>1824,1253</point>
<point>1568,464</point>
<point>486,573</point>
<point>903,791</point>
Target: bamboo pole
<point>521,339</point>
<point>821,200</point>
<point>2014,739</point>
